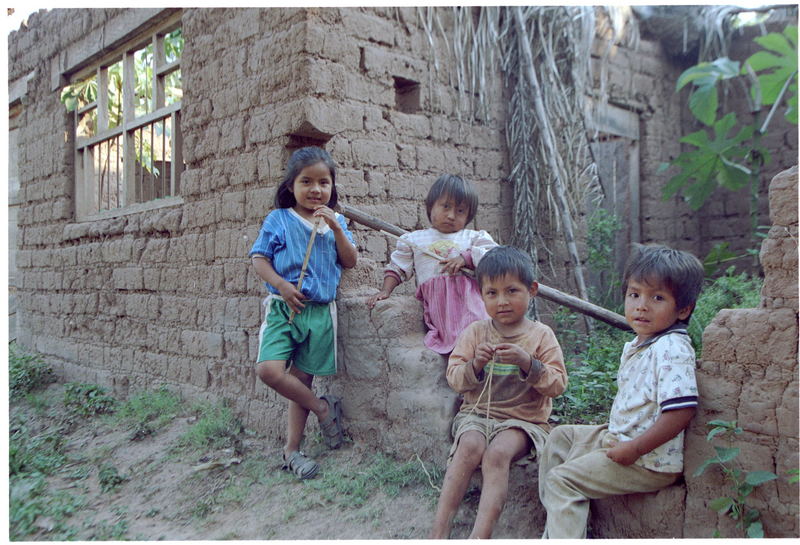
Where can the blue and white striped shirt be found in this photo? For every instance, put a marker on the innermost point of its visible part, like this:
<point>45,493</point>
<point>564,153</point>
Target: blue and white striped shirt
<point>283,240</point>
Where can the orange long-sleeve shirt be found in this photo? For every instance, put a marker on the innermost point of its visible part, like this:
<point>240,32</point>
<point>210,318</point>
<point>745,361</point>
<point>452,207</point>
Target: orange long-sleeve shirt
<point>513,394</point>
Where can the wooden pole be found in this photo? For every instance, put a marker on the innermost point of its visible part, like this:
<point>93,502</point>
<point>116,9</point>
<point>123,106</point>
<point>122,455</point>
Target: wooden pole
<point>545,292</point>
<point>317,224</point>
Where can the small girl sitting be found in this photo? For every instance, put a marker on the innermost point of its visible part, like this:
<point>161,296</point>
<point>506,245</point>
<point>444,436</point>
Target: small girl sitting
<point>451,300</point>
<point>299,326</point>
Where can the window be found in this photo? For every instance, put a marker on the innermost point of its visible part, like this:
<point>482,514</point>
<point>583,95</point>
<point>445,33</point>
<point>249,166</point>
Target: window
<point>406,95</point>
<point>127,126</point>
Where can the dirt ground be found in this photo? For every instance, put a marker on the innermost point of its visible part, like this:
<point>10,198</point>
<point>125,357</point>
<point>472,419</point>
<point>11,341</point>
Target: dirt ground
<point>237,493</point>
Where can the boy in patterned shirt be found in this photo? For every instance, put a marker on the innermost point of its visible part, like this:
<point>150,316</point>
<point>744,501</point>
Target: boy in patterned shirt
<point>640,449</point>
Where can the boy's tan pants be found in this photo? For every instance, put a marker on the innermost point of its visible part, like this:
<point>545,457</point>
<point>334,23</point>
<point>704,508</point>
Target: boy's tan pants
<point>574,468</point>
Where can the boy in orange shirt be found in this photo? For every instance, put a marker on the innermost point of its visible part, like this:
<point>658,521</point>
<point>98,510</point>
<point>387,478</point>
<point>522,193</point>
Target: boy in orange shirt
<point>508,369</point>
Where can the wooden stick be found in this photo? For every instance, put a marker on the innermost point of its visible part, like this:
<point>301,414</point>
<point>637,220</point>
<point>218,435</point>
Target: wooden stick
<point>551,294</point>
<point>317,225</point>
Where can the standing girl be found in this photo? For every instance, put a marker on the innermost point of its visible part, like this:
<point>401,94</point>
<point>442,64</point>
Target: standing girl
<point>451,300</point>
<point>300,325</point>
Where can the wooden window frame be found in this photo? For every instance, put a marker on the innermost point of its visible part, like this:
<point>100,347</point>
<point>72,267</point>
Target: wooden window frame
<point>86,193</point>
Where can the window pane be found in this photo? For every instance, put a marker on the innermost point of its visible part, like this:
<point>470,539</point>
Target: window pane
<point>115,95</point>
<point>107,173</point>
<point>173,45</point>
<point>87,124</point>
<point>143,62</point>
<point>173,90</point>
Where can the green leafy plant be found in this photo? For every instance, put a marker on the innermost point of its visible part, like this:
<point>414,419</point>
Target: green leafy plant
<point>728,291</point>
<point>26,372</point>
<point>742,483</point>
<point>732,157</point>
<point>601,230</point>
<point>354,486</point>
<point>109,478</point>
<point>87,399</point>
<point>41,454</point>
<point>147,411</point>
<point>216,427</point>
<point>592,367</point>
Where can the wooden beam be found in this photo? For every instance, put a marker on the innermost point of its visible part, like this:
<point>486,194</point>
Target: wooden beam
<point>545,292</point>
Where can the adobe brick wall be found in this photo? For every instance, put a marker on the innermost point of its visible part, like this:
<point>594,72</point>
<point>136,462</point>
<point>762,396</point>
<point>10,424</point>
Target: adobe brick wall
<point>167,296</point>
<point>749,373</point>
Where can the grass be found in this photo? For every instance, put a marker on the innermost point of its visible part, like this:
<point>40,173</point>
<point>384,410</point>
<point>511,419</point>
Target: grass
<point>87,399</point>
<point>216,427</point>
<point>147,412</point>
<point>26,372</point>
<point>353,486</point>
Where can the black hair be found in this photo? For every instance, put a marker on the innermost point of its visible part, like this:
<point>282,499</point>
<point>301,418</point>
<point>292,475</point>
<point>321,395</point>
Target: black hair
<point>455,187</point>
<point>300,159</point>
<point>503,260</point>
<point>680,272</point>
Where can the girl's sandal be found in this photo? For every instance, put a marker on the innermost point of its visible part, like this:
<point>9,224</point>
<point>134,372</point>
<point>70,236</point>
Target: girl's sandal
<point>332,432</point>
<point>301,465</point>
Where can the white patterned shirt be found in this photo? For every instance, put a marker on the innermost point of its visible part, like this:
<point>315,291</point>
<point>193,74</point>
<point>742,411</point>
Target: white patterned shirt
<point>655,377</point>
<point>405,261</point>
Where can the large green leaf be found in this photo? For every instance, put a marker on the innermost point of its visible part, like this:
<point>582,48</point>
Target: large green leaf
<point>726,454</point>
<point>776,66</point>
<point>703,101</point>
<point>703,104</point>
<point>791,102</point>
<point>756,478</point>
<point>701,469</point>
<point>721,505</point>
<point>715,162</point>
<point>755,530</point>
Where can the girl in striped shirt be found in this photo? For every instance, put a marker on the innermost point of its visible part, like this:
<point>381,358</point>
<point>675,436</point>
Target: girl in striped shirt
<point>451,300</point>
<point>300,325</point>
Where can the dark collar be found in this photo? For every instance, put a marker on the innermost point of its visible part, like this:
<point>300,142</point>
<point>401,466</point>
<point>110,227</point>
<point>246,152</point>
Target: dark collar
<point>677,327</point>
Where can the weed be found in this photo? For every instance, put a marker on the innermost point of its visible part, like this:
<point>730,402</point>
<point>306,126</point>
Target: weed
<point>109,531</point>
<point>87,399</point>
<point>30,501</point>
<point>41,454</point>
<point>39,403</point>
<point>728,291</point>
<point>26,372</point>
<point>147,411</point>
<point>353,486</point>
<point>592,365</point>
<point>741,484</point>
<point>602,227</point>
<point>110,478</point>
<point>216,427</point>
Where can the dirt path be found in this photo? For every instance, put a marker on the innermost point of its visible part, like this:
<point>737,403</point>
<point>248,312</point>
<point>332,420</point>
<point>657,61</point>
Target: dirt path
<point>164,492</point>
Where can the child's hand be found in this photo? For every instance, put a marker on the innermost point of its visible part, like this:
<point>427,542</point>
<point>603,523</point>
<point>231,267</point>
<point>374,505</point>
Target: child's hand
<point>292,296</point>
<point>453,265</point>
<point>512,354</point>
<point>624,453</point>
<point>484,353</point>
<point>380,296</point>
<point>328,215</point>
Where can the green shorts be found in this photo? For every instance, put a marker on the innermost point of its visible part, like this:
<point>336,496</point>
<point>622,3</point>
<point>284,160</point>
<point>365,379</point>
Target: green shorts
<point>489,428</point>
<point>309,342</point>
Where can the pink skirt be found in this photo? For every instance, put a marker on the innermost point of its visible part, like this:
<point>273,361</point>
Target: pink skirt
<point>450,303</point>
